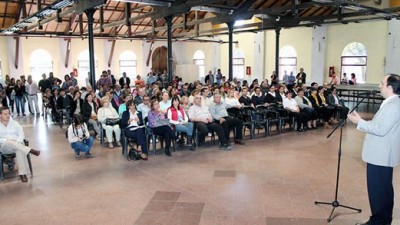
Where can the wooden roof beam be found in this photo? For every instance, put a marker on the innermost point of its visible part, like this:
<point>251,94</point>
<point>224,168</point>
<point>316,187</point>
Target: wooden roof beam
<point>163,12</point>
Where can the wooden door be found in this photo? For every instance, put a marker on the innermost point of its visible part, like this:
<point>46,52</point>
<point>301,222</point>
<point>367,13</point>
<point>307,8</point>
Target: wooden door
<point>159,59</point>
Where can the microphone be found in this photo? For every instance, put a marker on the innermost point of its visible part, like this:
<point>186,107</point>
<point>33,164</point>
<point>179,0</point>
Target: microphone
<point>373,92</point>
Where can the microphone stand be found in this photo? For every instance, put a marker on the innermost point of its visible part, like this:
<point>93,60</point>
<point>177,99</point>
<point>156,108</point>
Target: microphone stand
<point>335,203</point>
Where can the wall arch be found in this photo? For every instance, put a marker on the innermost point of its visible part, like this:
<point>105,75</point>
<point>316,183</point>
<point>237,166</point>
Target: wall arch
<point>40,61</point>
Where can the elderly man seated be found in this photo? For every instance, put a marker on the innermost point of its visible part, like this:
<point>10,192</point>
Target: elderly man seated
<point>11,141</point>
<point>200,115</point>
<point>220,115</point>
<point>335,101</point>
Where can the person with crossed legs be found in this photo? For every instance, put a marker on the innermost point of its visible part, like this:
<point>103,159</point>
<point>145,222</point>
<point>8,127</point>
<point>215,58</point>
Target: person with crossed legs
<point>11,142</point>
<point>200,115</point>
<point>220,115</point>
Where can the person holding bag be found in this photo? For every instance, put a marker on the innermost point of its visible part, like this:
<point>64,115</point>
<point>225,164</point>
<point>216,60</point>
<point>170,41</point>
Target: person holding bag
<point>160,125</point>
<point>89,113</point>
<point>109,119</point>
<point>131,123</point>
<point>178,118</point>
<point>79,137</point>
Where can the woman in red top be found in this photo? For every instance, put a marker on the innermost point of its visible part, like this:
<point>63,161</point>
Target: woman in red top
<point>139,81</point>
<point>178,117</point>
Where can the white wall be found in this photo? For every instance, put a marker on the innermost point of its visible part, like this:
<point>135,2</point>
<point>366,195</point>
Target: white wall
<point>300,39</point>
<point>373,35</point>
<point>392,64</point>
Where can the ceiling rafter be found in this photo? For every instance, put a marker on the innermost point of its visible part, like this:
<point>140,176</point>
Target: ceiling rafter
<point>147,21</point>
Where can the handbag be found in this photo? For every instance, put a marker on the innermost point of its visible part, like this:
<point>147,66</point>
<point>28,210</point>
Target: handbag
<point>111,121</point>
<point>132,155</point>
<point>162,122</point>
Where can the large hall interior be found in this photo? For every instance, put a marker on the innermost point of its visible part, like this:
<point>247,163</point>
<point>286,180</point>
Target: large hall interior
<point>267,166</point>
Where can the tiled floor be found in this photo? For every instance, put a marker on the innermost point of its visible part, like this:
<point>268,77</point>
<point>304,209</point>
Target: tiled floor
<point>269,181</point>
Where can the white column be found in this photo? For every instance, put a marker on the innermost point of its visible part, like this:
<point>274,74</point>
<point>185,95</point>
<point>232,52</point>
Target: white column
<point>216,56</point>
<point>392,64</point>
<point>318,55</point>
<point>258,68</point>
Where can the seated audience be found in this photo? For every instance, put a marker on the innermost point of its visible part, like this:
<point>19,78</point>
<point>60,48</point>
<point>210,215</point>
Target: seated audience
<point>64,104</point>
<point>205,93</point>
<point>160,126</point>
<point>291,105</point>
<point>273,96</point>
<point>139,96</point>
<point>79,137</point>
<point>231,101</point>
<point>322,98</point>
<point>144,107</point>
<point>335,101</point>
<point>129,123</point>
<point>89,113</point>
<point>165,103</point>
<point>258,98</point>
<point>220,115</point>
<point>3,98</point>
<point>180,121</point>
<point>201,116</point>
<point>76,105</point>
<point>122,106</point>
<point>245,100</point>
<point>109,119</point>
<point>185,104</point>
<point>321,110</point>
<point>185,90</point>
<point>306,106</point>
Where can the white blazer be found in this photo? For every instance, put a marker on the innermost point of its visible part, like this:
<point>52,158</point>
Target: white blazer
<point>382,141</point>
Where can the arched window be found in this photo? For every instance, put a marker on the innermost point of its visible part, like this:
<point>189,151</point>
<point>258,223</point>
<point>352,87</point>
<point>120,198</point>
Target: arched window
<point>238,64</point>
<point>354,60</point>
<point>84,68</point>
<point>199,59</point>
<point>128,64</point>
<point>287,61</point>
<point>40,62</point>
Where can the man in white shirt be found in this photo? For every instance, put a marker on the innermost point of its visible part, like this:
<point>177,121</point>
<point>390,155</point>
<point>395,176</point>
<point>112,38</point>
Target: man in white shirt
<point>220,115</point>
<point>144,107</point>
<point>11,141</point>
<point>32,89</point>
<point>203,120</point>
<point>291,105</point>
<point>165,103</point>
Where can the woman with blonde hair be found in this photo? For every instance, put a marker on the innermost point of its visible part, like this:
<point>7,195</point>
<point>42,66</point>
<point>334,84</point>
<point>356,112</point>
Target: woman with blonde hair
<point>231,101</point>
<point>109,119</point>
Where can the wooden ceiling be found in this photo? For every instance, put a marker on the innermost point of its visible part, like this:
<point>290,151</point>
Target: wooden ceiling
<point>147,17</point>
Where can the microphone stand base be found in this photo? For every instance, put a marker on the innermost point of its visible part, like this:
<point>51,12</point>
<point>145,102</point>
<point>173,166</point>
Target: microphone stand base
<point>335,204</point>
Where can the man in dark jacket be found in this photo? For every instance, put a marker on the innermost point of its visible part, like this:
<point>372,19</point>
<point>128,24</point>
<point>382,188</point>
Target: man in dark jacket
<point>124,80</point>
